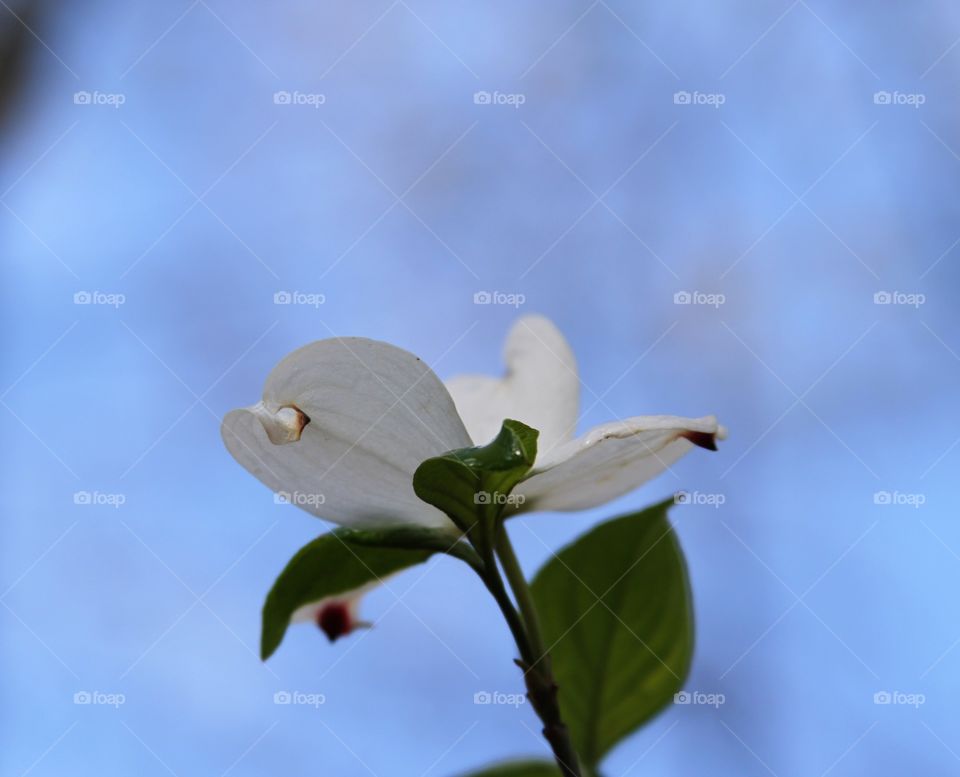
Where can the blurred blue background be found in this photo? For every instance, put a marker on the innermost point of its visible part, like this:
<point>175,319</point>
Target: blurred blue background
<point>797,158</point>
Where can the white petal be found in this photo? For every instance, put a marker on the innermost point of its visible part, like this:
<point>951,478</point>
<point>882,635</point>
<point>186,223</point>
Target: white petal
<point>541,387</point>
<point>611,460</point>
<point>342,426</point>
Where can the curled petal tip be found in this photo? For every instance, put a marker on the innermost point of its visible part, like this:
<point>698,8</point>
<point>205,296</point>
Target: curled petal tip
<point>285,425</point>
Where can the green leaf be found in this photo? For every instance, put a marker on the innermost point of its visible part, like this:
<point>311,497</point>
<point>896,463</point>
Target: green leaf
<point>615,607</point>
<point>415,538</point>
<point>469,484</point>
<point>337,563</point>
<point>520,769</point>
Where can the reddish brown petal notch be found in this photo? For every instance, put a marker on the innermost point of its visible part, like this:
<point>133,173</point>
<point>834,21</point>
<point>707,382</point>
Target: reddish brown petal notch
<point>706,440</point>
<point>335,621</point>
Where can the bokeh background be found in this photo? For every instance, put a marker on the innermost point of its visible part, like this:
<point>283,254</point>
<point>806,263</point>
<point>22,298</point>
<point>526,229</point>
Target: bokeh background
<point>146,153</point>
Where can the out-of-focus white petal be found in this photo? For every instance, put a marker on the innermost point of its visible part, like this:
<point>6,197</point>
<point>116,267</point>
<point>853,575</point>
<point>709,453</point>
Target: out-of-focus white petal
<point>541,387</point>
<point>612,459</point>
<point>342,426</point>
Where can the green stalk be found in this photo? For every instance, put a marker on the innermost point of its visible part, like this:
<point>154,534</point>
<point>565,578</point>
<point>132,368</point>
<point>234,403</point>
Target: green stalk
<point>493,582</point>
<point>521,592</point>
<point>537,672</point>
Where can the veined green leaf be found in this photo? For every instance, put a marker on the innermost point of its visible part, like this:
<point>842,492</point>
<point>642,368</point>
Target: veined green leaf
<point>615,607</point>
<point>334,564</point>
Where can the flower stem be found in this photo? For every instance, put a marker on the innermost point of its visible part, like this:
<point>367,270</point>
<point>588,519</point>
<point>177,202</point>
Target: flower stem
<point>491,578</point>
<point>521,592</point>
<point>537,671</point>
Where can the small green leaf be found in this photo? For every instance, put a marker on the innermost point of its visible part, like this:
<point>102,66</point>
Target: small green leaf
<point>520,769</point>
<point>336,563</point>
<point>469,483</point>
<point>415,538</point>
<point>615,607</point>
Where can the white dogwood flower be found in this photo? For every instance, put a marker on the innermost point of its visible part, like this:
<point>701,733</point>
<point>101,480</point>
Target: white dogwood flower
<point>345,422</point>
